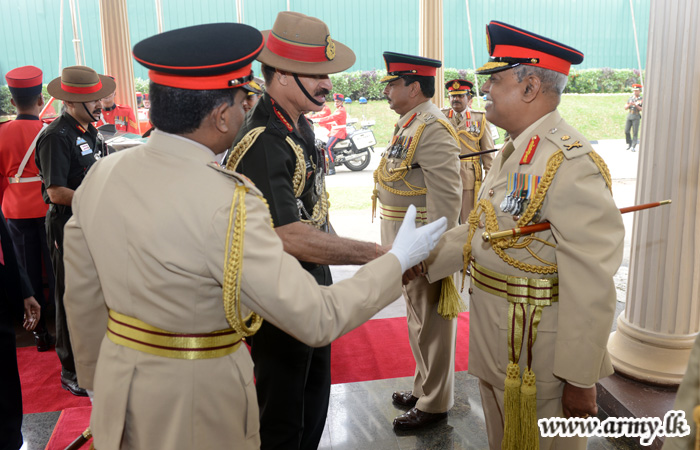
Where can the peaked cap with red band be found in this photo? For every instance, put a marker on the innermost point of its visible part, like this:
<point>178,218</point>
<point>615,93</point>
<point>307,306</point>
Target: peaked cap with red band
<point>399,65</point>
<point>458,86</point>
<point>637,86</point>
<point>338,97</point>
<point>202,57</point>
<point>24,81</point>
<point>81,84</point>
<point>302,44</point>
<point>511,46</point>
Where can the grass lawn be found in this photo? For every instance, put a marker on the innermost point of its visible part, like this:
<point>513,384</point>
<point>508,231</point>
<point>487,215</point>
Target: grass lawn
<point>597,116</point>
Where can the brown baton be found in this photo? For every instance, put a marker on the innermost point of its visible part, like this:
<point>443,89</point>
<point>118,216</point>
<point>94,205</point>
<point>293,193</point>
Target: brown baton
<point>80,440</point>
<point>529,229</point>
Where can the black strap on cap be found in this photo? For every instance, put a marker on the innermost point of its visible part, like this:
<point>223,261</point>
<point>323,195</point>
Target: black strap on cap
<point>306,93</point>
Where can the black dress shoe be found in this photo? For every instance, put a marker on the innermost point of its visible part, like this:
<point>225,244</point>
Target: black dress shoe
<point>414,419</point>
<point>44,341</point>
<point>72,387</point>
<point>404,398</point>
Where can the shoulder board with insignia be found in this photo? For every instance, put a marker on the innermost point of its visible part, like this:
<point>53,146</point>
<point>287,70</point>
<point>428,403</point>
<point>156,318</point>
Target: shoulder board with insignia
<point>239,178</point>
<point>572,143</point>
<point>427,117</point>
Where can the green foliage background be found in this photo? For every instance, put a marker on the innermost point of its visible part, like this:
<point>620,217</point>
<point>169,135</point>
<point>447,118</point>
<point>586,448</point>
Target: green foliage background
<point>366,84</point>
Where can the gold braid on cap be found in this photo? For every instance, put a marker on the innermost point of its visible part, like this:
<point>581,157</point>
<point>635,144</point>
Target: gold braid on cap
<point>233,267</point>
<point>320,211</point>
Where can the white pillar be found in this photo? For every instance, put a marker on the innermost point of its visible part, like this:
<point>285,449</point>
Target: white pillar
<point>662,316</point>
<point>116,50</point>
<point>430,42</point>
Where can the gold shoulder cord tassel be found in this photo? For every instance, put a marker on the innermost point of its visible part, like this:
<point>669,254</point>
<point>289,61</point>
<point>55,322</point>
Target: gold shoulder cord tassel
<point>233,267</point>
<point>511,398</point>
<point>451,303</point>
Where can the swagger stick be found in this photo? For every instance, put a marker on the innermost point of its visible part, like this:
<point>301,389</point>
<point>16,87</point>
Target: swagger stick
<point>467,156</point>
<point>80,440</point>
<point>529,229</point>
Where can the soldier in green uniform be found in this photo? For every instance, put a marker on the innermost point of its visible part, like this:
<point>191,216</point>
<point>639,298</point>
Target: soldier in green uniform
<point>423,136</point>
<point>474,135</point>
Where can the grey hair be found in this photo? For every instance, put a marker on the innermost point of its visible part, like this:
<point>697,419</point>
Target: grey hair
<point>552,81</point>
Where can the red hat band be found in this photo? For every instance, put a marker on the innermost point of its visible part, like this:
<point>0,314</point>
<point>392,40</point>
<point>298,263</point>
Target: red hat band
<point>544,60</point>
<point>73,89</point>
<point>227,80</point>
<point>296,52</point>
<point>412,69</point>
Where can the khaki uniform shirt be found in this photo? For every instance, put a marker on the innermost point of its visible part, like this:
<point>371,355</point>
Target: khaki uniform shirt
<point>438,156</point>
<point>585,242</point>
<point>474,135</point>
<point>147,239</point>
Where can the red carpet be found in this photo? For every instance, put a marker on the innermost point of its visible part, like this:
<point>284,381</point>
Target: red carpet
<point>71,423</point>
<point>379,349</point>
<point>40,375</point>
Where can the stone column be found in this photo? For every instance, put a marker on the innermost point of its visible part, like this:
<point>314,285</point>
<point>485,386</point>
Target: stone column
<point>662,316</point>
<point>430,44</point>
<point>116,50</point>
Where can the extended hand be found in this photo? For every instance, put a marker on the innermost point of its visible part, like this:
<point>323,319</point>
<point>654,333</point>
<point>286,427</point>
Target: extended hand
<point>579,402</point>
<point>412,245</point>
<point>412,273</point>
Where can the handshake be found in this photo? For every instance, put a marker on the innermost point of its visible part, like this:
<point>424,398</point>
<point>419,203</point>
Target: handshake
<point>412,245</point>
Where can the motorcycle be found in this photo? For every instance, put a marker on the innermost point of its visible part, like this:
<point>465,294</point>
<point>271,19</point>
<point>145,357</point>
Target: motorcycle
<point>354,150</point>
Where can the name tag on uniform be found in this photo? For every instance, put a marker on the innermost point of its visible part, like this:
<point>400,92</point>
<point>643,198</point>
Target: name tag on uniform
<point>86,150</point>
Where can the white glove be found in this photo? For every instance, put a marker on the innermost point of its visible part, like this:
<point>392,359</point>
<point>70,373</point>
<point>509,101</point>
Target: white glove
<point>412,245</point>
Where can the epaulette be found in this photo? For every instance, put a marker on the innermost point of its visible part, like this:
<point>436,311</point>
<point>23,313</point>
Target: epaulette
<point>572,143</point>
<point>476,111</point>
<point>426,117</point>
<point>239,178</point>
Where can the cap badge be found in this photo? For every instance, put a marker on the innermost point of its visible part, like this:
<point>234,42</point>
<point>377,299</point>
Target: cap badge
<point>330,48</point>
<point>455,85</point>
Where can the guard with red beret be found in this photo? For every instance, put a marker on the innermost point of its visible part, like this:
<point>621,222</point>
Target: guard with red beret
<point>336,124</point>
<point>474,134</point>
<point>171,261</point>
<point>422,135</point>
<point>22,204</point>
<point>121,116</point>
<point>65,151</point>
<point>542,304</point>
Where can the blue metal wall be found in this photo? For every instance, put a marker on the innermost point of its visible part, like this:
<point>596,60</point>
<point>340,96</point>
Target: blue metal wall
<point>602,29</point>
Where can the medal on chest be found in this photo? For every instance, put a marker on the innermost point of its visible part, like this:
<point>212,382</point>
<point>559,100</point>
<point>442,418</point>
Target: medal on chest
<point>521,187</point>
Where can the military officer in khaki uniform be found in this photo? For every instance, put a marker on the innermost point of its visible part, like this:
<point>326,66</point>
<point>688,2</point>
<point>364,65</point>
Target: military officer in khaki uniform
<point>541,305</point>
<point>422,136</point>
<point>474,135</point>
<point>158,309</point>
